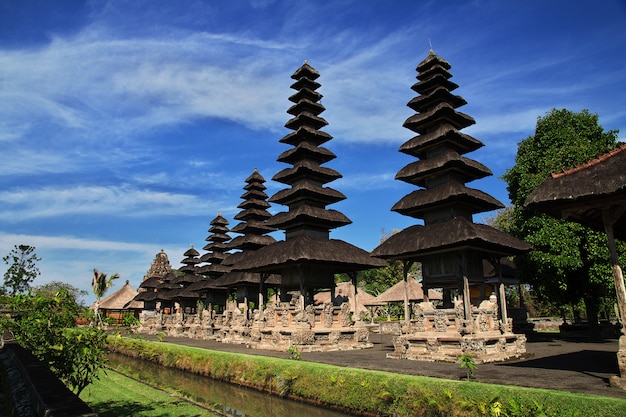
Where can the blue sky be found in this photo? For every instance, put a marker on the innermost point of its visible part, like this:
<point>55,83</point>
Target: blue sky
<point>126,126</point>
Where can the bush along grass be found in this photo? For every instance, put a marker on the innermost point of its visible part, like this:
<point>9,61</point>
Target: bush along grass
<point>365,392</point>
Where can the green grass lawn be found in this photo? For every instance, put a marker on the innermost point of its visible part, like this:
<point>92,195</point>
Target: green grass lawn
<point>115,395</point>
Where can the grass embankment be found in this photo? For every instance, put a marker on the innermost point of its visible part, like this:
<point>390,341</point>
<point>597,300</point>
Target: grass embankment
<point>370,392</point>
<point>115,395</point>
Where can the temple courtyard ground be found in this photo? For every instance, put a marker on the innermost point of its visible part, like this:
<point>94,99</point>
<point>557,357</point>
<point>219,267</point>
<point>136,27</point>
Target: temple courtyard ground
<point>552,361</point>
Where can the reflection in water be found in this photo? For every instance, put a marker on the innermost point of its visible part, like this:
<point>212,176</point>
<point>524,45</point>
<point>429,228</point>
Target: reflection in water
<point>227,399</point>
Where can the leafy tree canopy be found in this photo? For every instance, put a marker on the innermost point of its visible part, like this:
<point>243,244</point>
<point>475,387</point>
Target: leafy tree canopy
<point>52,288</point>
<point>568,261</point>
<point>46,326</point>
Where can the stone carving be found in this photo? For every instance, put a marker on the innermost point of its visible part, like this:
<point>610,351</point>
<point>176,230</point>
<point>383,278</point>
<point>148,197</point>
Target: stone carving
<point>473,345</point>
<point>345,314</point>
<point>270,315</point>
<point>419,317</point>
<point>303,337</point>
<point>483,321</point>
<point>283,318</point>
<point>309,315</point>
<point>432,344</point>
<point>327,315</point>
<point>441,321</point>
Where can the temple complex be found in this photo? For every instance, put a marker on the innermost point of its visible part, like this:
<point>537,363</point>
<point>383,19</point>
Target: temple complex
<point>449,245</point>
<point>457,309</point>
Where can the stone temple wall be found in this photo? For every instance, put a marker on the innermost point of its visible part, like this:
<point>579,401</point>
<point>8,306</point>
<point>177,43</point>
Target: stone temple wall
<point>278,327</point>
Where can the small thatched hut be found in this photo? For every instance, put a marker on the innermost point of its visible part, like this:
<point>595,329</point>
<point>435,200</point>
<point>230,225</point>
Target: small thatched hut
<point>120,302</point>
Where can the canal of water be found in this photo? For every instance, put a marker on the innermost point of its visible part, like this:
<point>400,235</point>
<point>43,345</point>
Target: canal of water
<point>226,399</point>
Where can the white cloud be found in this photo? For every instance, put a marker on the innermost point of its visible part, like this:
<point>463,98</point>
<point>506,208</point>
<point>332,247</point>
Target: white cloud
<point>68,242</point>
<point>124,200</point>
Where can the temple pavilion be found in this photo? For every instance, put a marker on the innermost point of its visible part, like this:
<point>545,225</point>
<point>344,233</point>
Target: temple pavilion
<point>449,245</point>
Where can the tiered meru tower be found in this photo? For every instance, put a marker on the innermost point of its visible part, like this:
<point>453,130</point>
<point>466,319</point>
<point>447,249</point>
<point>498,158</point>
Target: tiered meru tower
<point>449,245</point>
<point>252,217</point>
<point>216,249</point>
<point>307,258</point>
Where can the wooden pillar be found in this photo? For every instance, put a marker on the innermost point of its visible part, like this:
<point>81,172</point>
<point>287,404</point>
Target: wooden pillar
<point>262,279</point>
<point>301,276</point>
<point>406,265</point>
<point>502,294</point>
<point>609,216</point>
<point>353,279</point>
<point>467,302</point>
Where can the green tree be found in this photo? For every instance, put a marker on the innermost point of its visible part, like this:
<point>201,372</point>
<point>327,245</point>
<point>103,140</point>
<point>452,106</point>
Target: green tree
<point>52,288</point>
<point>22,270</point>
<point>100,284</point>
<point>568,261</point>
<point>46,326</point>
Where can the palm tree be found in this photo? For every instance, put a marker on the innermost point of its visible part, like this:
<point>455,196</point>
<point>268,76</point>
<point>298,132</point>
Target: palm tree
<point>100,284</point>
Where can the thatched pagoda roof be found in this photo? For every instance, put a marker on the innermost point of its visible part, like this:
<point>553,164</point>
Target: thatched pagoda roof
<point>207,284</point>
<point>395,294</point>
<point>309,215</point>
<point>146,296</point>
<point>445,204</point>
<point>418,202</point>
<point>181,293</point>
<point>240,278</point>
<point>150,282</point>
<point>456,234</point>
<point>299,250</point>
<point>187,279</point>
<point>445,136</point>
<point>582,193</point>
<point>447,161</point>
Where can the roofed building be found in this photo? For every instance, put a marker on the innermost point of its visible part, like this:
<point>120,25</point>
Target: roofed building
<point>449,245</point>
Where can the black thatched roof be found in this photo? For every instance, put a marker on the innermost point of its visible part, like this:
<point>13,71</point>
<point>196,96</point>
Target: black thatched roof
<point>300,250</point>
<point>191,252</point>
<point>580,194</point>
<point>146,296</point>
<point>458,233</point>
<point>422,122</point>
<point>181,293</point>
<point>205,285</point>
<point>214,269</point>
<point>317,217</point>
<point>443,136</point>
<point>240,278</point>
<point>150,282</point>
<point>187,279</point>
<point>445,204</point>
<point>447,161</point>
<point>167,285</point>
<point>417,203</point>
